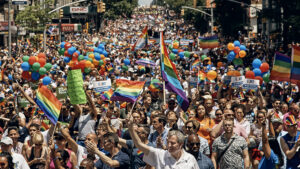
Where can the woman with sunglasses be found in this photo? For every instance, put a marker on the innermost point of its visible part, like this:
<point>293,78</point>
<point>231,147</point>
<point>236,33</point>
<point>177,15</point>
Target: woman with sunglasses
<point>37,156</point>
<point>6,161</point>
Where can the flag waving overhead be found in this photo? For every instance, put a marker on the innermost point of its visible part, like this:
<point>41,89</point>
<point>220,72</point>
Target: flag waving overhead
<point>170,76</point>
<point>209,42</point>
<point>127,90</point>
<point>295,73</point>
<point>48,103</point>
<point>142,40</point>
<point>281,70</point>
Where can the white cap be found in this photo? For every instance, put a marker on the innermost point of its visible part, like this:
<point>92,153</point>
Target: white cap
<point>7,141</point>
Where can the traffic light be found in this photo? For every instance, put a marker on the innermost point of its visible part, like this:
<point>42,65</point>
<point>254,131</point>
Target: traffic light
<point>61,13</point>
<point>182,12</point>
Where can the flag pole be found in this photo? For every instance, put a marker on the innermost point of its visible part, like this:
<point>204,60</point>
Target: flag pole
<point>161,63</point>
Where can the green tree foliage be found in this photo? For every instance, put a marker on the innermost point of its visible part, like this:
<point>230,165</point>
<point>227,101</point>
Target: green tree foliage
<point>117,8</point>
<point>35,17</point>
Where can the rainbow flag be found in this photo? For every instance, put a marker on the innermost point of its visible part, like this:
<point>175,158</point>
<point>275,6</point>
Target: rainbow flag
<point>123,105</point>
<point>127,90</point>
<point>140,154</point>
<point>89,44</point>
<point>45,125</point>
<point>28,42</point>
<point>48,103</point>
<point>142,40</point>
<point>155,85</point>
<point>146,62</point>
<point>209,42</point>
<point>142,68</point>
<point>107,94</point>
<point>196,63</point>
<point>201,77</point>
<point>170,76</point>
<point>295,73</point>
<point>289,100</point>
<point>241,95</point>
<point>281,70</point>
<point>110,69</point>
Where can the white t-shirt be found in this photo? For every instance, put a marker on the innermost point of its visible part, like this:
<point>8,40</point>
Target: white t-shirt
<point>19,161</point>
<point>162,159</point>
<point>82,154</point>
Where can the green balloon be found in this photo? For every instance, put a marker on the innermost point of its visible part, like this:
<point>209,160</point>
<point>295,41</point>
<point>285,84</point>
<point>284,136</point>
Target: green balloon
<point>36,66</point>
<point>80,57</point>
<point>187,54</point>
<point>237,61</point>
<point>101,62</point>
<point>87,70</point>
<point>124,67</point>
<point>172,56</point>
<point>170,47</point>
<point>48,66</point>
<point>266,77</point>
<point>61,51</point>
<point>42,71</point>
<point>203,57</point>
<point>25,58</point>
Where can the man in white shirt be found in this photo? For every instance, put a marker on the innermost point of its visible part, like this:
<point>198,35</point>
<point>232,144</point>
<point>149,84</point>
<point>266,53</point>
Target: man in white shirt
<point>174,157</point>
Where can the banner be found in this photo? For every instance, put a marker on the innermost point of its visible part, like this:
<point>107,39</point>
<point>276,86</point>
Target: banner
<point>184,42</point>
<point>250,84</point>
<point>102,86</point>
<point>75,87</point>
<point>237,82</point>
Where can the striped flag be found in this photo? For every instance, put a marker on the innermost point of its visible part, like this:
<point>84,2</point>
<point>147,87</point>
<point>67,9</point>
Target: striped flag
<point>281,70</point>
<point>142,40</point>
<point>295,73</point>
<point>209,42</point>
<point>170,76</point>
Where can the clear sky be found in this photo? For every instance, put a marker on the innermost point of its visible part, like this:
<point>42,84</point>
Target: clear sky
<point>145,2</point>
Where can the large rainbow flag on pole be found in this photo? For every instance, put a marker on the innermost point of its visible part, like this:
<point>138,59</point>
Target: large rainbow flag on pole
<point>170,76</point>
<point>209,42</point>
<point>281,70</point>
<point>295,73</point>
<point>48,103</point>
<point>127,90</point>
<point>142,40</point>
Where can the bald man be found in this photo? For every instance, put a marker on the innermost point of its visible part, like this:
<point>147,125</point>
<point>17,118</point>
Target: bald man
<point>193,145</point>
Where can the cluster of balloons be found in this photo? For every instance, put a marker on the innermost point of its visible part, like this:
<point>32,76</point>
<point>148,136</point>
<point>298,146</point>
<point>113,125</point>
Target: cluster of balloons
<point>35,68</point>
<point>237,50</point>
<point>174,48</point>
<point>260,71</point>
<point>94,58</point>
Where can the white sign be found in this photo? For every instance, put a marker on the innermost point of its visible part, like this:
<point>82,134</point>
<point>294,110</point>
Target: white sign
<point>250,84</point>
<point>102,86</point>
<point>79,9</point>
<point>184,42</point>
<point>237,82</point>
<point>193,82</point>
<point>19,2</point>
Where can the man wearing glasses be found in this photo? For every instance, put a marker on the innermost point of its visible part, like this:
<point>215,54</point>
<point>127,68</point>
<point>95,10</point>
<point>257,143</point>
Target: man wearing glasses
<point>295,112</point>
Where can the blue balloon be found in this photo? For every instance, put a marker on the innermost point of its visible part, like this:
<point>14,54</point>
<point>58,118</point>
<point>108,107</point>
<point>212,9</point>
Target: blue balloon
<point>257,72</point>
<point>126,62</point>
<point>46,80</point>
<point>243,47</point>
<point>97,56</point>
<point>175,51</point>
<point>100,51</point>
<point>236,43</point>
<point>181,54</point>
<point>96,50</point>
<point>104,53</point>
<point>71,50</point>
<point>10,77</point>
<point>85,57</point>
<point>77,52</point>
<point>62,44</point>
<point>101,46</point>
<point>232,53</point>
<point>230,57</point>
<point>25,66</point>
<point>256,63</point>
<point>35,75</point>
<point>67,59</point>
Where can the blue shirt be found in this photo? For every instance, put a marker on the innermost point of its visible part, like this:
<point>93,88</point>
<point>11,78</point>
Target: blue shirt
<point>153,136</point>
<point>121,157</point>
<point>269,163</point>
<point>204,162</point>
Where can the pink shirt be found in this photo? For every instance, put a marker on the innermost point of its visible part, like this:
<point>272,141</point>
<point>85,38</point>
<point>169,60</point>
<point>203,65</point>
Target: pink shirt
<point>237,129</point>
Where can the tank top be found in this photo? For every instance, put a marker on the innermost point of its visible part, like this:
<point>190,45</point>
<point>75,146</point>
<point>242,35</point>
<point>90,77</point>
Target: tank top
<point>69,164</point>
<point>290,141</point>
<point>36,165</point>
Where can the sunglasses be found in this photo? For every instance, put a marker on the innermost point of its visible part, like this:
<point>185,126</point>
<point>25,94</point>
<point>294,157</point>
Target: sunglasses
<point>193,144</point>
<point>188,127</point>
<point>38,144</point>
<point>218,114</point>
<point>82,167</point>
<point>2,164</point>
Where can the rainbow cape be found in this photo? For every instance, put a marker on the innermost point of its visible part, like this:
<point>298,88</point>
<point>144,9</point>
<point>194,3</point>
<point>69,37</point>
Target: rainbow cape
<point>281,70</point>
<point>209,42</point>
<point>170,76</point>
<point>142,40</point>
<point>127,90</point>
<point>48,103</point>
<point>295,72</point>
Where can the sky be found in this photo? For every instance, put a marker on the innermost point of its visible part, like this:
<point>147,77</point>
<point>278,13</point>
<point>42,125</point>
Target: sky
<point>145,2</point>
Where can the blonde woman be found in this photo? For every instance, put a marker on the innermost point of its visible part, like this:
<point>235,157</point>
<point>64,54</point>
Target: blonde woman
<point>38,156</point>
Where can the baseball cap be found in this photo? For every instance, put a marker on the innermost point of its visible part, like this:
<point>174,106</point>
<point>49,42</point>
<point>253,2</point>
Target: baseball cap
<point>290,120</point>
<point>6,140</point>
<point>276,120</point>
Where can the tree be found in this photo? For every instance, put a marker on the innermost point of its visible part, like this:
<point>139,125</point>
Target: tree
<point>35,17</point>
<point>117,8</point>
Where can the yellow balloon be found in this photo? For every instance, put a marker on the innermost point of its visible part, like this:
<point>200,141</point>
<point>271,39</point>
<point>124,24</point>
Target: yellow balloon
<point>242,53</point>
<point>230,46</point>
<point>91,56</point>
<point>211,75</point>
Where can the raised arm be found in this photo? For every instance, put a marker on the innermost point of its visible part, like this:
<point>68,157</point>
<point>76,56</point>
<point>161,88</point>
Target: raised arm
<point>72,143</point>
<point>31,101</point>
<point>265,142</point>
<point>92,104</point>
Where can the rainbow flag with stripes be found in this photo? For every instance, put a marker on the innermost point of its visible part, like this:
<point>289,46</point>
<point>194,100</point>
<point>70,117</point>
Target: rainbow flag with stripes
<point>140,154</point>
<point>155,85</point>
<point>281,70</point>
<point>123,105</point>
<point>196,64</point>
<point>289,100</point>
<point>241,95</point>
<point>295,73</point>
<point>107,94</point>
<point>89,44</point>
<point>209,42</point>
<point>142,40</point>
<point>110,69</point>
<point>45,125</point>
<point>201,77</point>
<point>142,68</point>
<point>146,62</point>
<point>48,103</point>
<point>127,90</point>
<point>170,76</point>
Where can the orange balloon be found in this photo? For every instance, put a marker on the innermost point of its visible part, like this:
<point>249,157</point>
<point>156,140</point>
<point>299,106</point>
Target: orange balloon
<point>219,64</point>
<point>88,64</point>
<point>91,55</point>
<point>211,75</point>
<point>236,50</point>
<point>175,45</point>
<point>95,62</point>
<point>242,53</point>
<point>236,73</point>
<point>71,63</point>
<point>41,55</point>
<point>102,56</point>
<point>230,73</point>
<point>230,46</point>
<point>237,56</point>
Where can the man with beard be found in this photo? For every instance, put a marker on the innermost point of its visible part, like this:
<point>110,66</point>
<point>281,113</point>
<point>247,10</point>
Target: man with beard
<point>193,145</point>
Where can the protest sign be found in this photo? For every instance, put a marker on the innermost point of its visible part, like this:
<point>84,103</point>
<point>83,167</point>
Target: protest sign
<point>61,92</point>
<point>193,82</point>
<point>22,102</point>
<point>75,87</point>
<point>237,82</point>
<point>102,86</point>
<point>184,42</point>
<point>227,80</point>
<point>250,84</point>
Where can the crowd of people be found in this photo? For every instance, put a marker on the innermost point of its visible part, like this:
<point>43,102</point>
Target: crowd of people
<point>220,129</point>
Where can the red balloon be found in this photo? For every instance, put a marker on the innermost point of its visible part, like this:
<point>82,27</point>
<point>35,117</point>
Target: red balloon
<point>180,50</point>
<point>264,67</point>
<point>26,75</point>
<point>82,64</point>
<point>32,60</point>
<point>75,56</point>
<point>67,54</point>
<point>41,55</point>
<point>67,46</point>
<point>236,50</point>
<point>42,62</point>
<point>260,79</point>
<point>250,75</point>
